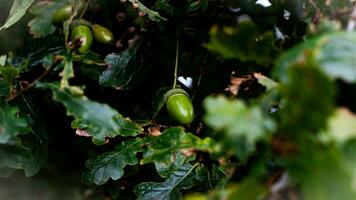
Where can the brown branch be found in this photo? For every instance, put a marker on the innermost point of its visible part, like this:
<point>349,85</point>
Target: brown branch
<point>13,96</point>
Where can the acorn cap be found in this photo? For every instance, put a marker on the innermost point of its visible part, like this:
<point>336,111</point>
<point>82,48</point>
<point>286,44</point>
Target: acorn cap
<point>79,22</point>
<point>175,91</point>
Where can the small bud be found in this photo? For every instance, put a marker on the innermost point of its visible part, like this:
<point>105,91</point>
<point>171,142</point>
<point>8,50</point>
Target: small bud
<point>154,131</point>
<point>131,29</point>
<point>119,44</point>
<point>121,16</point>
<point>141,14</point>
<point>135,5</point>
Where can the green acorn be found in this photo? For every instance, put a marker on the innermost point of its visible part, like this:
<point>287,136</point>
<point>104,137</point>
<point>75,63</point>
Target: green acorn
<point>179,107</point>
<point>62,14</point>
<point>85,37</point>
<point>102,34</point>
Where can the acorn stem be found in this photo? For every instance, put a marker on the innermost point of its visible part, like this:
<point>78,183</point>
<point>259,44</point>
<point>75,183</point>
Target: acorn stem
<point>84,10</point>
<point>176,65</point>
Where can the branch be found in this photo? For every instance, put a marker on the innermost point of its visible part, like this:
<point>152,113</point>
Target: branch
<point>13,96</point>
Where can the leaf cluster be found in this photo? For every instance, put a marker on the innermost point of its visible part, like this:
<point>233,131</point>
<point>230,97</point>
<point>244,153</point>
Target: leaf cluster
<point>272,89</point>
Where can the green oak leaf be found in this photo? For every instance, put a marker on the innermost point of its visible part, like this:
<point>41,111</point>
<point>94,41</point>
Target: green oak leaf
<point>170,145</point>
<point>111,164</point>
<point>41,25</point>
<point>29,155</point>
<point>265,81</point>
<point>68,71</point>
<point>302,111</point>
<point>89,58</point>
<point>9,73</point>
<point>159,100</point>
<point>18,10</point>
<point>123,68</point>
<point>341,127</point>
<point>79,106</point>
<point>334,52</point>
<point>242,124</point>
<point>91,65</point>
<point>11,125</point>
<point>182,178</point>
<point>165,168</point>
<point>245,43</point>
<point>165,6</point>
<point>4,88</point>
<point>126,128</point>
<point>321,173</point>
<point>13,157</point>
<point>36,142</point>
<point>28,150</point>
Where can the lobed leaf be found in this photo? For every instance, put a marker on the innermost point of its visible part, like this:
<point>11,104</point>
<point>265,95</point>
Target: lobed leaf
<point>79,106</point>
<point>238,122</point>
<point>41,25</point>
<point>26,144</point>
<point>126,128</point>
<point>334,52</point>
<point>245,42</point>
<point>18,10</point>
<point>111,164</point>
<point>170,189</point>
<point>13,157</point>
<point>172,144</point>
<point>123,68</point>
<point>302,112</point>
<point>28,155</point>
<point>10,124</point>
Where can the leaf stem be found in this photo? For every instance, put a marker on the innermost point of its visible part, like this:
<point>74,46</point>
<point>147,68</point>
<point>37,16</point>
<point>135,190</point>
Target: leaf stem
<point>176,65</point>
<point>85,9</point>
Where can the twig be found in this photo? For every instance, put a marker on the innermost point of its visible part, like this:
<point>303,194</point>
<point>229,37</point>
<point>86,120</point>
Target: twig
<point>197,86</point>
<point>176,65</point>
<point>67,25</point>
<point>84,10</point>
<point>13,96</point>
